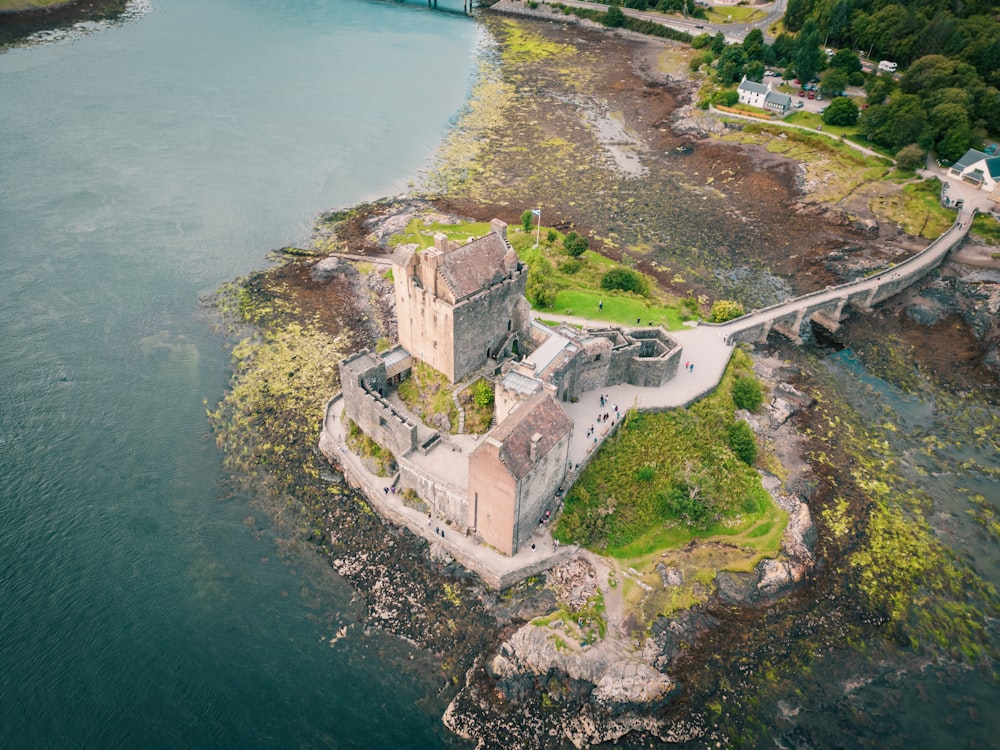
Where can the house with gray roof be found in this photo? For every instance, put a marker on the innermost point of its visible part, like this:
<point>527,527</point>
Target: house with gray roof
<point>763,97</point>
<point>977,168</point>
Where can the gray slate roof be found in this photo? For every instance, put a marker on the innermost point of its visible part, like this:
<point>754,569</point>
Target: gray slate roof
<point>777,98</point>
<point>540,415</point>
<point>969,158</point>
<point>475,265</point>
<point>756,88</point>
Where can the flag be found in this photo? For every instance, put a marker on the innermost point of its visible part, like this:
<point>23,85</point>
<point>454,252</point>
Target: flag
<point>536,211</point>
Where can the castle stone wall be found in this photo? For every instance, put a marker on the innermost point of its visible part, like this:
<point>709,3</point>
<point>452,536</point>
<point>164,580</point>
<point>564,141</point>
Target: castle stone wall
<point>442,498</point>
<point>484,321</point>
<point>537,489</point>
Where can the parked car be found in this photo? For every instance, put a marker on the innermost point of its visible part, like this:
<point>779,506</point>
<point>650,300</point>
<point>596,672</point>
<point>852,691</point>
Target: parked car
<point>822,110</point>
<point>802,92</point>
<point>799,105</point>
<point>812,95</point>
<point>796,82</point>
<point>819,97</point>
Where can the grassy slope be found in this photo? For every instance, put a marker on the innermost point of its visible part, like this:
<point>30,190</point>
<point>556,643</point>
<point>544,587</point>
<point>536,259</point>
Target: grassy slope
<point>17,6</point>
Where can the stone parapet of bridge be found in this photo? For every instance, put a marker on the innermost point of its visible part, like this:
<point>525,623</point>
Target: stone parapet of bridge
<point>828,307</point>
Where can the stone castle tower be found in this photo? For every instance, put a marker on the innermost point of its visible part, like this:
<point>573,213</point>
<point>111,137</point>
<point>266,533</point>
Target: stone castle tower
<point>458,305</point>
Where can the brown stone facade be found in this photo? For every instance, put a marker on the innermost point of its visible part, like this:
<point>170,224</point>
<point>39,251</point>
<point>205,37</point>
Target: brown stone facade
<point>458,306</point>
<point>514,474</point>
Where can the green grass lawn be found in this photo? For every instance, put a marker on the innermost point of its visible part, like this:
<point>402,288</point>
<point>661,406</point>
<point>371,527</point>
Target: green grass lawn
<point>579,289</point>
<point>624,310</point>
<point>625,504</point>
<point>734,14</point>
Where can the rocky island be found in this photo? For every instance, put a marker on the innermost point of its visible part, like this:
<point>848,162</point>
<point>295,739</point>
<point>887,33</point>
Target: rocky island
<point>586,648</point>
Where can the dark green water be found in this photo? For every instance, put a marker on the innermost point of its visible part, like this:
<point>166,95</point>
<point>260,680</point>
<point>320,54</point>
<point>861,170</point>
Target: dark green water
<point>141,165</point>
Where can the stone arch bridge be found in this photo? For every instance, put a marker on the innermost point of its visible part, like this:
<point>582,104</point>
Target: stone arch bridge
<point>829,307</point>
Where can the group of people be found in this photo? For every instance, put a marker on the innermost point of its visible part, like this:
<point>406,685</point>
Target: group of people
<point>689,366</point>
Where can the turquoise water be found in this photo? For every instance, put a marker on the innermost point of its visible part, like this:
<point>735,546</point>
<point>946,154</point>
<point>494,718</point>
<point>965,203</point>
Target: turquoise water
<point>141,165</point>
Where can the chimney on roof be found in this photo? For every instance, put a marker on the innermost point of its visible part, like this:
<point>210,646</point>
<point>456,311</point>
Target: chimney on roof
<point>500,227</point>
<point>441,242</point>
<point>533,448</point>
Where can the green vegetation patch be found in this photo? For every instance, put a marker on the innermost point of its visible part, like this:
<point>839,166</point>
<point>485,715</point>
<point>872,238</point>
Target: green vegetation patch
<point>665,479</point>
<point>428,394</point>
<point>734,14</point>
<point>987,227</point>
<point>917,209</point>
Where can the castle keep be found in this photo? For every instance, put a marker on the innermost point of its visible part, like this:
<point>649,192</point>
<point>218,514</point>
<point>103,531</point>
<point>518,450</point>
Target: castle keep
<point>462,310</point>
<point>460,305</point>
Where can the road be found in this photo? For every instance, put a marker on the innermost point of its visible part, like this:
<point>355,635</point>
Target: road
<point>734,32</point>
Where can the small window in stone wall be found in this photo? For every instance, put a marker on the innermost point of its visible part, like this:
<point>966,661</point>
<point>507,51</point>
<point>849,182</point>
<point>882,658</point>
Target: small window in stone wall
<point>597,358</point>
<point>381,421</point>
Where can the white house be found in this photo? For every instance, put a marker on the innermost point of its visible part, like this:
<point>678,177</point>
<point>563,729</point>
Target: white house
<point>977,168</point>
<point>761,96</point>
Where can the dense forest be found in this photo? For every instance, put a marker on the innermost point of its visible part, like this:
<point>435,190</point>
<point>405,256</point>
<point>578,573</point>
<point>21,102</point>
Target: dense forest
<point>946,98</point>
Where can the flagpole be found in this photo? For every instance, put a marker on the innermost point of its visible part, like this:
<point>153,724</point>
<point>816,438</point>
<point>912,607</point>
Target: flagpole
<point>538,236</point>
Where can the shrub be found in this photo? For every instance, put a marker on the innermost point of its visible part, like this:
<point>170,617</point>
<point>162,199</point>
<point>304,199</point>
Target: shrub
<point>551,236</point>
<point>570,266</point>
<point>614,18</point>
<point>541,290</point>
<point>574,244</point>
<point>645,473</point>
<point>482,393</point>
<point>909,158</point>
<point>526,217</point>
<point>743,442</point>
<point>625,279</point>
<point>691,305</point>
<point>725,309</point>
<point>747,393</point>
<point>726,98</point>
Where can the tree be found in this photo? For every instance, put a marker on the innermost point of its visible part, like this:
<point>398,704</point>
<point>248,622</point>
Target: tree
<point>731,63</point>
<point>953,133</point>
<point>841,111</point>
<point>724,309</point>
<point>551,236</point>
<point>754,71</point>
<point>808,58</point>
<point>614,18</point>
<point>718,43</point>
<point>575,245</point>
<point>541,290</point>
<point>742,442</point>
<point>833,81</point>
<point>783,48</point>
<point>879,87</point>
<point>910,158</point>
<point>795,14</point>
<point>526,218</point>
<point>846,60</point>
<point>753,45</point>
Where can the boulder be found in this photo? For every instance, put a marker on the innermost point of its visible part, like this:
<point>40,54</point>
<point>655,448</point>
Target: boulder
<point>632,681</point>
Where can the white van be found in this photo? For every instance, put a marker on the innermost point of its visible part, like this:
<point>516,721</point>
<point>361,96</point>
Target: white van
<point>886,66</point>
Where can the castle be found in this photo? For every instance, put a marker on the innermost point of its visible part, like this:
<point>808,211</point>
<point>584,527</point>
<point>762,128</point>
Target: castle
<point>462,310</point>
